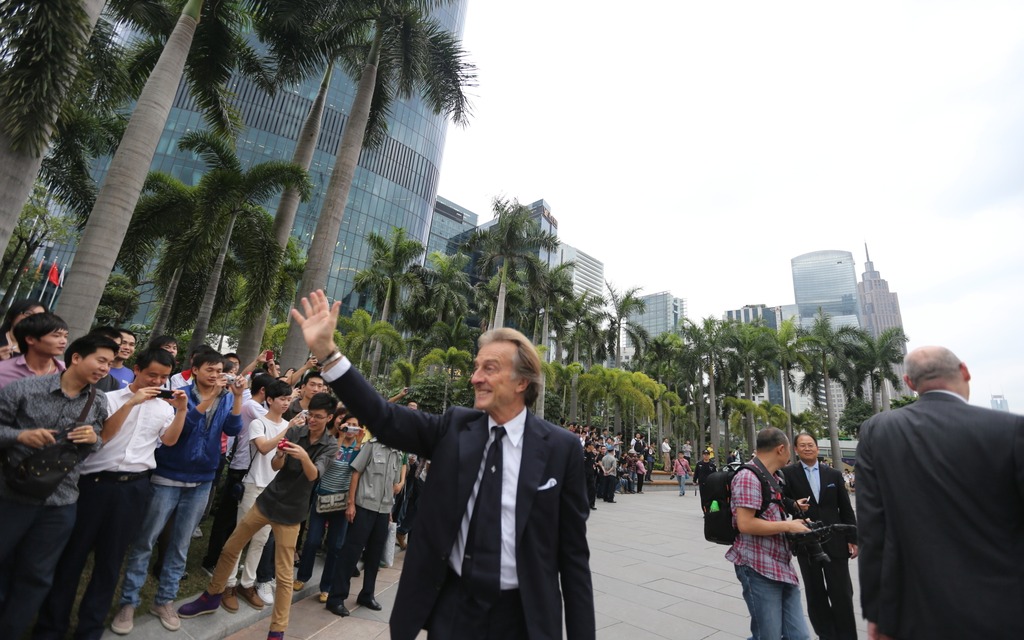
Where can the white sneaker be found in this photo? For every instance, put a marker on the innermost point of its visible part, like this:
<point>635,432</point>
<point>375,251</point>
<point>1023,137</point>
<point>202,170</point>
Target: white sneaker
<point>265,590</point>
<point>124,621</point>
<point>197,532</point>
<point>168,616</point>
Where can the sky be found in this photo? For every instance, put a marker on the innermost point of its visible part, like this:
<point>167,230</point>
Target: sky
<point>698,147</point>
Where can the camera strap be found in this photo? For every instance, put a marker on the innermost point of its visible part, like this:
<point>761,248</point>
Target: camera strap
<point>769,486</point>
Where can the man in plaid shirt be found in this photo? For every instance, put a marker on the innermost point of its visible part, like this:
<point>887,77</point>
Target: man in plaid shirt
<point>771,588</point>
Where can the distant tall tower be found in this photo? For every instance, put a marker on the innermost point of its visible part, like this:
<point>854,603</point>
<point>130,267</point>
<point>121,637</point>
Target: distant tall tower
<point>880,308</point>
<point>826,280</point>
<point>999,403</point>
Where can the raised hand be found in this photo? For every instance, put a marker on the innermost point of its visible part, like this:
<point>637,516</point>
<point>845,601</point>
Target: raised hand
<point>318,320</point>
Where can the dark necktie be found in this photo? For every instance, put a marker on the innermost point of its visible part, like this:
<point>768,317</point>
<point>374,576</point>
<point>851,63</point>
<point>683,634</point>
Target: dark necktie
<point>481,564</point>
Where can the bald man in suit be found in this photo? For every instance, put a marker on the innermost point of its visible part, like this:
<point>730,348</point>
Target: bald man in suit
<point>940,505</point>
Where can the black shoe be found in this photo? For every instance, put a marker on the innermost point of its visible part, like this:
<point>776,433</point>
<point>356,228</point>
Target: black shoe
<point>339,610</point>
<point>593,508</point>
<point>355,572</point>
<point>369,603</point>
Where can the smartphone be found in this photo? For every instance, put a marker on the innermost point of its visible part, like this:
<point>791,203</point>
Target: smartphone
<point>165,393</point>
<point>269,356</point>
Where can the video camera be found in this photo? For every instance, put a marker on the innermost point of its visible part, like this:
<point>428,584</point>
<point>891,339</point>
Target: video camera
<point>810,542</point>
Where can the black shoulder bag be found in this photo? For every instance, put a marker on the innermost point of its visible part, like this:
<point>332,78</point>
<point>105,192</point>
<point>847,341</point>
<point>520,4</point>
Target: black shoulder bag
<point>40,473</point>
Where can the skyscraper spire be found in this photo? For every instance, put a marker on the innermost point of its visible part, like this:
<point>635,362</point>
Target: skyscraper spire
<point>867,256</point>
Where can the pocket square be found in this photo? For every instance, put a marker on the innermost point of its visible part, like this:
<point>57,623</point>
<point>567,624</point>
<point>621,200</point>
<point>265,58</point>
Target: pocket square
<point>547,485</point>
<point>831,485</point>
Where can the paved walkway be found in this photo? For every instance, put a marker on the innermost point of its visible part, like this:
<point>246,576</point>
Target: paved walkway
<point>655,577</point>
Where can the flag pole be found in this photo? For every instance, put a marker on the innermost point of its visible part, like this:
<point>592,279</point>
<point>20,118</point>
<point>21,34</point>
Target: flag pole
<point>57,287</point>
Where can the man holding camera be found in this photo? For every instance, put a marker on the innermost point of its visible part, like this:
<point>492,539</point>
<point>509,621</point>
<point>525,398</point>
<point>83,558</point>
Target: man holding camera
<point>761,552</point>
<point>180,486</point>
<point>827,585</point>
<point>112,492</point>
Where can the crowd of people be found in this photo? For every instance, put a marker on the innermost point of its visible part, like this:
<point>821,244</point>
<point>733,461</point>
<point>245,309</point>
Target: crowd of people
<point>148,452</point>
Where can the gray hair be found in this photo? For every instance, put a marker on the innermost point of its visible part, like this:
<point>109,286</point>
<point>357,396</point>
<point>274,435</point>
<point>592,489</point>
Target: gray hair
<point>931,363</point>
<point>525,362</point>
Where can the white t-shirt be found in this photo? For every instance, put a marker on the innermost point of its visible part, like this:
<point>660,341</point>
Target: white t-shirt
<point>666,447</point>
<point>261,473</point>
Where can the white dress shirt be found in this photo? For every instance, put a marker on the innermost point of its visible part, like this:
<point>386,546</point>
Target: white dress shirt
<point>813,473</point>
<point>131,450</point>
<point>512,457</point>
<point>511,460</point>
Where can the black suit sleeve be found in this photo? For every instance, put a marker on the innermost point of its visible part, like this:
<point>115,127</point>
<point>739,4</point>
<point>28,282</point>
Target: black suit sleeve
<point>870,525</point>
<point>394,425</point>
<point>573,550</point>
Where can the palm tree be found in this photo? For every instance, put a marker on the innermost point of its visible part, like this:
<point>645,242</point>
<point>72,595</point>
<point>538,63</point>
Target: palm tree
<point>359,331</point>
<point>457,334</point>
<point>233,195</point>
<point>448,286</point>
<point>551,286</point>
<point>623,305</point>
<point>831,353</point>
<point>751,344</point>
<point>388,275</point>
<point>877,361</point>
<point>409,55</point>
<point>222,48</point>
<point>584,316</point>
<point>787,355</point>
<point>198,225</point>
<point>42,43</point>
<point>452,361</point>
<point>510,246</point>
<point>710,342</point>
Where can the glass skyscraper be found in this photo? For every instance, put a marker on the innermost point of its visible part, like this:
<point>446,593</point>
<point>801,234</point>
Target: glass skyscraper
<point>394,186</point>
<point>826,280</point>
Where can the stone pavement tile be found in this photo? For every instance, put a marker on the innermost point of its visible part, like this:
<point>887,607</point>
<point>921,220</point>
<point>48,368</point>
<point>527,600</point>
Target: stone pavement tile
<point>632,593</point>
<point>657,622</point>
<point>308,617</point>
<point>721,635</point>
<point>736,624</point>
<point>695,596</point>
<point>349,629</point>
<point>621,630</point>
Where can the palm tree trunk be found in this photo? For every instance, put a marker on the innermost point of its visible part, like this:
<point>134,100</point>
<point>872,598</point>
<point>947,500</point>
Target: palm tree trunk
<point>716,437</point>
<point>749,417</point>
<point>874,397</point>
<point>574,395</point>
<point>210,295</point>
<point>833,421</point>
<point>699,401</point>
<point>378,346</point>
<point>499,306</point>
<point>10,260</point>
<point>788,403</point>
<point>20,166</point>
<point>321,250</point>
<point>164,315</point>
<point>886,401</point>
<point>108,222</point>
<point>252,334</point>
<point>539,409</point>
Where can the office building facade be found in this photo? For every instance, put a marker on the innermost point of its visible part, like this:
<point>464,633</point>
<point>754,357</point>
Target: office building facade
<point>394,185</point>
<point>826,280</point>
<point>448,222</point>
<point>587,271</point>
<point>880,310</point>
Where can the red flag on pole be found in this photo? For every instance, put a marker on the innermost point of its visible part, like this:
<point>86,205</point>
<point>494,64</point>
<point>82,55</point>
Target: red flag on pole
<point>54,276</point>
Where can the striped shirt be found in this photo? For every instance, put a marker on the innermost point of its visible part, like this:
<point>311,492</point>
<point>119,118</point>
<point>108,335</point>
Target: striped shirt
<point>339,472</point>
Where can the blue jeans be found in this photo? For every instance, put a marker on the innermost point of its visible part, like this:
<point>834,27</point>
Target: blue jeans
<point>336,525</point>
<point>187,504</point>
<point>775,608</point>
<point>682,485</point>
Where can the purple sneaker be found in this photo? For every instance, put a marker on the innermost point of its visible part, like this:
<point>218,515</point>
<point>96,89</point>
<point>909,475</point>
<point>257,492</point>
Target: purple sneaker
<point>275,635</point>
<point>206,603</point>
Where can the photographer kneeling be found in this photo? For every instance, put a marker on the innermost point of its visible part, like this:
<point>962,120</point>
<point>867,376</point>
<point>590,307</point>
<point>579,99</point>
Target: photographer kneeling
<point>761,551</point>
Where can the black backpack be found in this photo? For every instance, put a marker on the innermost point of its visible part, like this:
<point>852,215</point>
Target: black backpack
<point>715,501</point>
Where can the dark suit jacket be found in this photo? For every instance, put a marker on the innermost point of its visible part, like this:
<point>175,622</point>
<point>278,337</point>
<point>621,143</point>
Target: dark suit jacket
<point>833,506</point>
<point>551,532</point>
<point>940,500</point>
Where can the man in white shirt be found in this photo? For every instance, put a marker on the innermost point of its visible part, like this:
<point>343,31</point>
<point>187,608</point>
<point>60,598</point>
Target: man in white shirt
<point>113,491</point>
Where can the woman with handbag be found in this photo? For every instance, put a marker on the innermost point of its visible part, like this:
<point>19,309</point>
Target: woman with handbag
<point>330,500</point>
